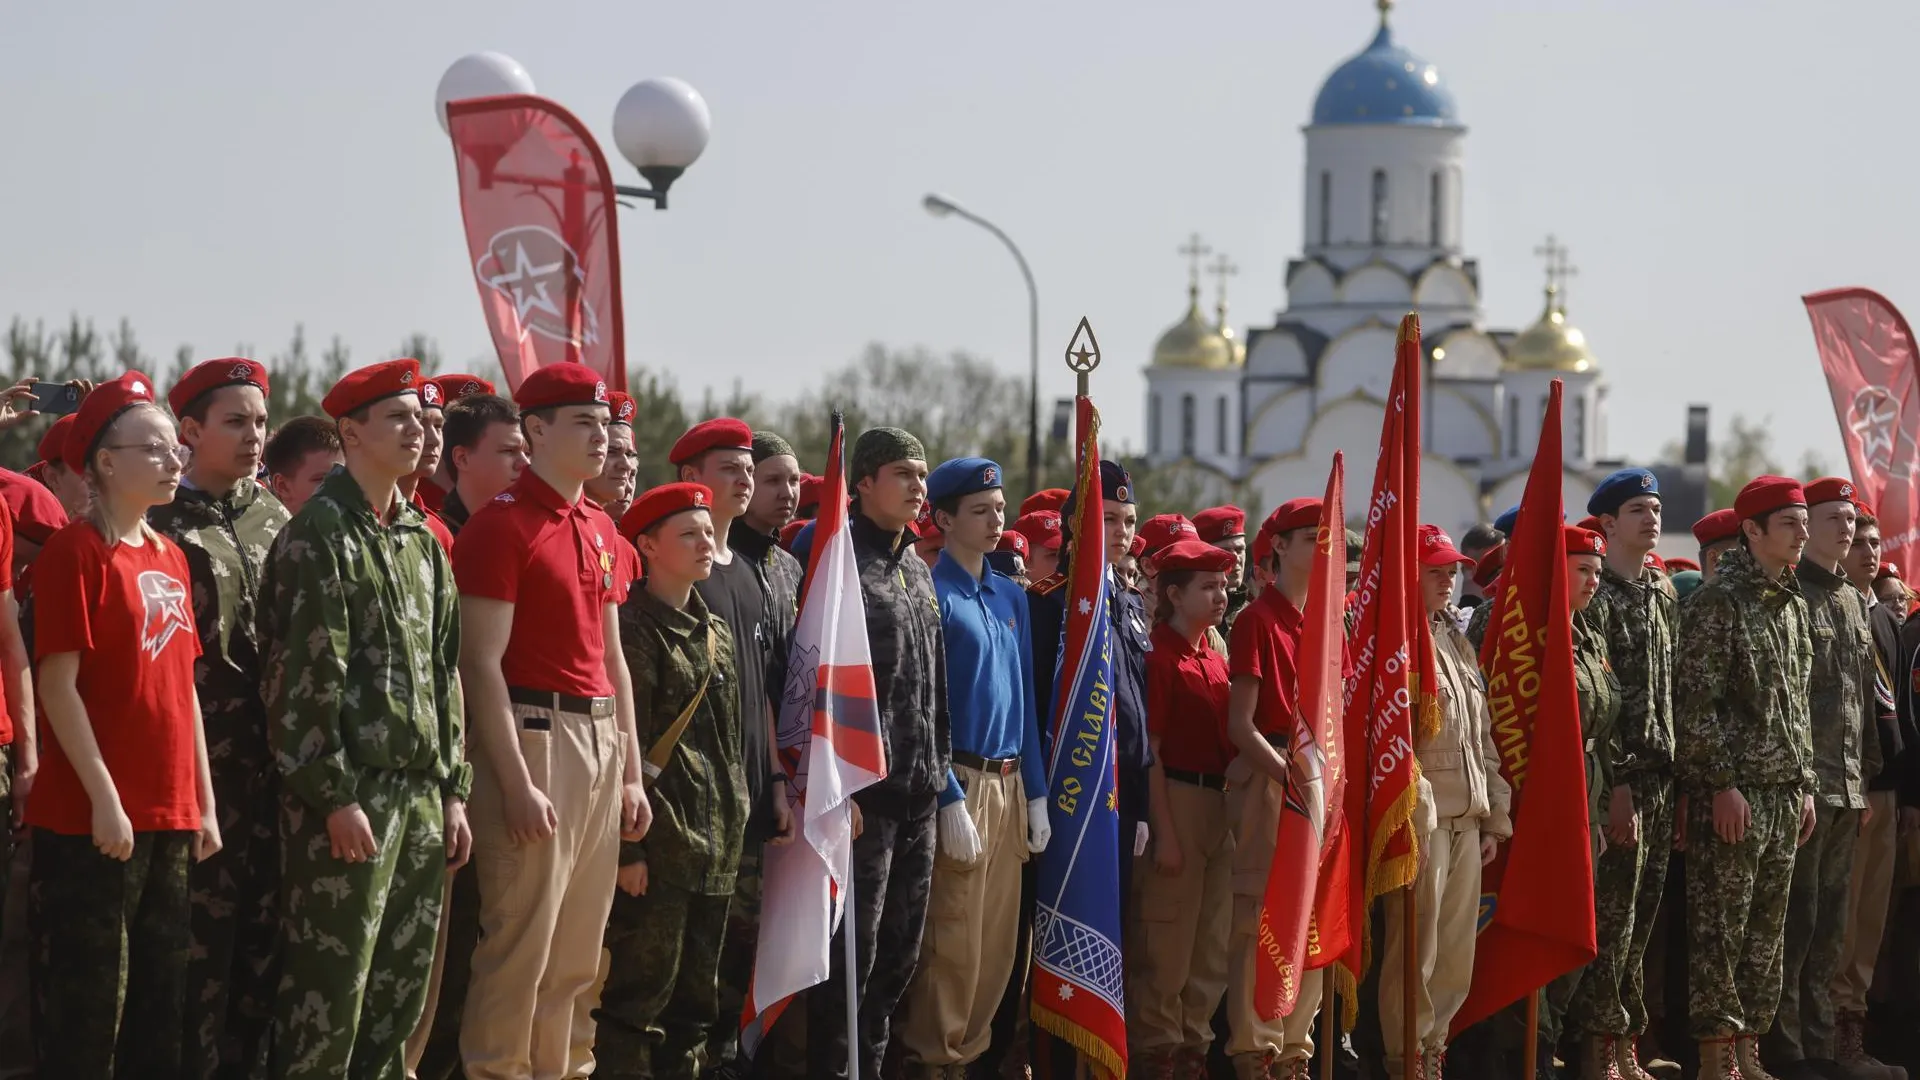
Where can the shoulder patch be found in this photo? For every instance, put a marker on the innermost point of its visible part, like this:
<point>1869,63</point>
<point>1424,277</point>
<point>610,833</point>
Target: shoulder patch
<point>504,497</point>
<point>1048,585</point>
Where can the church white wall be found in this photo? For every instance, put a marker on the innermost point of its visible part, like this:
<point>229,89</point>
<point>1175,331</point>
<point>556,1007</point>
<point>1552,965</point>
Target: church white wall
<point>1312,284</point>
<point>1445,286</point>
<point>1462,426</point>
<point>1277,419</point>
<point>1377,283</point>
<point>1410,157</point>
<point>1359,361</point>
<point>1468,354</point>
<point>1575,490</point>
<point>1277,354</point>
<point>1215,413</point>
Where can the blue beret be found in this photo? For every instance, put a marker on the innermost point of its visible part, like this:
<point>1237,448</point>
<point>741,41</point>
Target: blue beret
<point>1115,486</point>
<point>1507,520</point>
<point>962,476</point>
<point>1616,489</point>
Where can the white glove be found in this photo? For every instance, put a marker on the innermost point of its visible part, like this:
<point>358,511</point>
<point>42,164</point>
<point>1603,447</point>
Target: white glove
<point>959,840</point>
<point>1139,839</point>
<point>1039,826</point>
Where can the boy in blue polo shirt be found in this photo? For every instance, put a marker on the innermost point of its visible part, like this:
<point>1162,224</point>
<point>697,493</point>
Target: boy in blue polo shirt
<point>993,813</point>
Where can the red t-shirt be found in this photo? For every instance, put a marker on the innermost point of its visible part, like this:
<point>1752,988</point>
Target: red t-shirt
<point>434,525</point>
<point>1187,703</point>
<point>37,514</point>
<point>428,496</point>
<point>562,558</point>
<point>127,612</point>
<point>1266,646</point>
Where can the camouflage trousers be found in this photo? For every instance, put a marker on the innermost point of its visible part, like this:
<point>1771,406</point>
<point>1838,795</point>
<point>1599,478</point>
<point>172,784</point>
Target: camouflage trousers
<point>109,964</point>
<point>1627,885</point>
<point>233,970</point>
<point>1736,911</point>
<point>736,958</point>
<point>659,995</point>
<point>358,936</point>
<point>892,880</point>
<point>1816,933</point>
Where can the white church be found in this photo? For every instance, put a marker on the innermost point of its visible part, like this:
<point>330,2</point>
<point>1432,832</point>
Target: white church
<point>1382,228</point>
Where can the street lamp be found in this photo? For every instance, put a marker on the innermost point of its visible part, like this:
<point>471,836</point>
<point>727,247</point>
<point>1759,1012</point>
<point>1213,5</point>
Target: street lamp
<point>940,206</point>
<point>660,125</point>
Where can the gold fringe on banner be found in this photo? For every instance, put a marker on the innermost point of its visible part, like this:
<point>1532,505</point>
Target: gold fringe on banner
<point>1098,1054</point>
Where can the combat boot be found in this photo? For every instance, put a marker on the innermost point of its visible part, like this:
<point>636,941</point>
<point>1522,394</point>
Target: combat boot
<point>1155,1064</point>
<point>1850,1051</point>
<point>1747,1053</point>
<point>1626,1053</point>
<point>1264,1065</point>
<point>1599,1059</point>
<point>1719,1059</point>
<point>1190,1063</point>
<point>1436,1064</point>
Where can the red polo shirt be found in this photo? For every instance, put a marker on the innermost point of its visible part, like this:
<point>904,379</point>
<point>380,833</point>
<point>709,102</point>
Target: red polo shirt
<point>128,613</point>
<point>434,525</point>
<point>37,514</point>
<point>529,542</point>
<point>1266,646</point>
<point>1187,703</point>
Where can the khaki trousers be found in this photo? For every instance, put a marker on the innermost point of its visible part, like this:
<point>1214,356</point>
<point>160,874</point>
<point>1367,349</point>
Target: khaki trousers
<point>1447,895</point>
<point>973,923</point>
<point>1873,858</point>
<point>1253,804</point>
<point>1181,925</point>
<point>543,906</point>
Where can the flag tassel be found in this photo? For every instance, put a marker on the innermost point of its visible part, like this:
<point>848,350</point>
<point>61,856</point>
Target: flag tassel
<point>1091,1048</point>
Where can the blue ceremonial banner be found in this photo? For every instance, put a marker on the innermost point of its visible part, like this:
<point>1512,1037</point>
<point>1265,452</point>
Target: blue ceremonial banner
<point>1078,989</point>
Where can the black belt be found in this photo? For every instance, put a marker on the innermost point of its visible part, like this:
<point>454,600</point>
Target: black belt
<point>1005,766</point>
<point>548,699</point>
<point>1197,779</point>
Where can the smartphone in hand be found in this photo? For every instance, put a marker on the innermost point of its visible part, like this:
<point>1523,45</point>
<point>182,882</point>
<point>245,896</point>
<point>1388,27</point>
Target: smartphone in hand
<point>55,398</point>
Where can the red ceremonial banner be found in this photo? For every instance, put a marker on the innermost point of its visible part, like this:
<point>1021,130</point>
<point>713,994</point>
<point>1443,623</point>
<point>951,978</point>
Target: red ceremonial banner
<point>1868,352</point>
<point>1390,694</point>
<point>1536,897</point>
<point>1316,774</point>
<point>539,205</point>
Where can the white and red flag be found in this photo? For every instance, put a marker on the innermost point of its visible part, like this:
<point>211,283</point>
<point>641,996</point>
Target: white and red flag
<point>830,743</point>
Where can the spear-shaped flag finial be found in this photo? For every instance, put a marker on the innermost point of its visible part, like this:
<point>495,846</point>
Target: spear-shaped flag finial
<point>1083,352</point>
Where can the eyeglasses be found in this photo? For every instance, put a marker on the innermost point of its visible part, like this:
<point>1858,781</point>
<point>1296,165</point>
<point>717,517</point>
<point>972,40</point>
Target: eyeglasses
<point>154,451</point>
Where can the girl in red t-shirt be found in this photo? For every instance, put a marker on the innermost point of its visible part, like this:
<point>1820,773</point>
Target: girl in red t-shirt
<point>1184,898</point>
<point>123,799</point>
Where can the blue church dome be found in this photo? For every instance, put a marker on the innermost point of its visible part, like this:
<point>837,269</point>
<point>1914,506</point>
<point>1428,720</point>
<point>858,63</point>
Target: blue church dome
<point>1385,84</point>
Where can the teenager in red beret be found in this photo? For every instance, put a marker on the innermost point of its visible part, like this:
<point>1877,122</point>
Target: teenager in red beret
<point>557,768</point>
<point>1178,974</point>
<point>1599,696</point>
<point>1715,533</point>
<point>670,914</point>
<point>1042,530</point>
<point>124,801</point>
<point>613,488</point>
<point>1745,759</point>
<point>442,392</point>
<point>67,485</point>
<point>1225,527</point>
<point>418,487</point>
<point>1047,499</point>
<point>225,523</point>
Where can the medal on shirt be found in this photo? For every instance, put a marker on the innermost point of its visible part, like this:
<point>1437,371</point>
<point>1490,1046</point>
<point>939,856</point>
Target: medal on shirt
<point>606,566</point>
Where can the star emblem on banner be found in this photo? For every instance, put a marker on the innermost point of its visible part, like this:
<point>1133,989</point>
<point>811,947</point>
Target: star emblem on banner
<point>1086,606</point>
<point>531,267</point>
<point>527,284</point>
<point>1066,991</point>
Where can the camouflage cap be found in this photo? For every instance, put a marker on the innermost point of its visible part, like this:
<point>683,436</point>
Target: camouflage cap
<point>766,444</point>
<point>882,446</point>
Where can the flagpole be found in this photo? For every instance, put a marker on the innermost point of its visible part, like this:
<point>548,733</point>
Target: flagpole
<point>1530,1053</point>
<point>1329,1019</point>
<point>1409,1039</point>
<point>848,921</point>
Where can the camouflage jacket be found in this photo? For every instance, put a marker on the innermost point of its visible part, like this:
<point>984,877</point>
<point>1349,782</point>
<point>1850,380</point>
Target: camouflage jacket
<point>1236,602</point>
<point>1846,738</point>
<point>362,627</point>
<point>1639,619</point>
<point>1599,691</point>
<point>699,799</point>
<point>909,670</point>
<point>1743,681</point>
<point>226,541</point>
<point>1477,621</point>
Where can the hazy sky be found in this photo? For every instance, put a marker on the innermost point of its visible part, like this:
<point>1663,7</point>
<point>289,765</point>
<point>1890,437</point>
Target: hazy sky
<point>217,171</point>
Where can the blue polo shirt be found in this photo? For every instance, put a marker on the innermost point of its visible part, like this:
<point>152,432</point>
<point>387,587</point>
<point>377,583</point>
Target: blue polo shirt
<point>989,671</point>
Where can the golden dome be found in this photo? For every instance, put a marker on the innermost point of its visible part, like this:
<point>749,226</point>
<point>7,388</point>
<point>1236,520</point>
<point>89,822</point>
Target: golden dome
<point>1220,326</point>
<point>1193,342</point>
<point>1551,344</point>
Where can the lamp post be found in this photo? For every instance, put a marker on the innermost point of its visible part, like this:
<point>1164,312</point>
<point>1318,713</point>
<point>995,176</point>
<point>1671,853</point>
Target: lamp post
<point>941,206</point>
<point>660,125</point>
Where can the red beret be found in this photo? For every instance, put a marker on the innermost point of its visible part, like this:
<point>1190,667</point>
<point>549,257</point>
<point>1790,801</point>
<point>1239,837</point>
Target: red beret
<point>1765,494</point>
<point>622,404</point>
<point>1192,555</point>
<point>1138,547</point>
<point>1829,489</point>
<point>1436,548</point>
<point>1716,527</point>
<point>790,530</point>
<point>556,386</point>
<point>1655,561</point>
<point>369,384</point>
<point>924,527</point>
<point>1581,541</point>
<point>1591,523</point>
<point>53,441</point>
<point>810,489</point>
<point>722,434</point>
<point>1220,523</point>
<point>1050,499</point>
<point>1888,569</point>
<point>210,375</point>
<point>443,390</point>
<point>1162,529</point>
<point>1494,559</point>
<point>1675,566</point>
<point>1292,514</point>
<point>661,503</point>
<point>98,410</point>
<point>1015,542</point>
<point>1041,528</point>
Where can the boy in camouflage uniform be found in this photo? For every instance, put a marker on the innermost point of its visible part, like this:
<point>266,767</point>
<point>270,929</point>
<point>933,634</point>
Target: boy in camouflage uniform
<point>1744,761</point>
<point>663,938</point>
<point>1637,614</point>
<point>1846,750</point>
<point>365,722</point>
<point>224,522</point>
